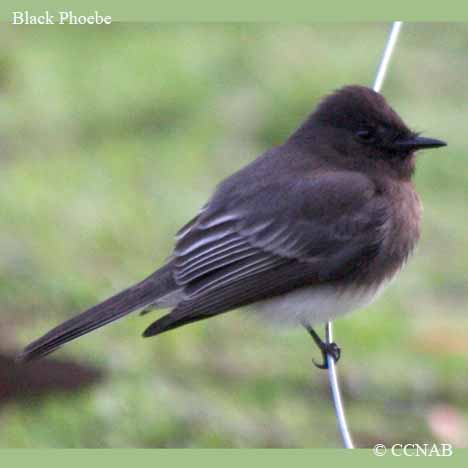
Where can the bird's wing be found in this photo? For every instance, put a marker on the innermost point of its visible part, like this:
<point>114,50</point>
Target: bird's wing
<point>247,245</point>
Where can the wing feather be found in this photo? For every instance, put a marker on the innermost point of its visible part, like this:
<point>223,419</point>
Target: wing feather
<point>247,246</point>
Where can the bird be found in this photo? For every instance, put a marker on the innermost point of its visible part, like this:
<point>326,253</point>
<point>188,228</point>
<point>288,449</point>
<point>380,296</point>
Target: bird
<point>310,230</point>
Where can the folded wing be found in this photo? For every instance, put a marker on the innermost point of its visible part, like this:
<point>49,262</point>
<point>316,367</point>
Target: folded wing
<point>252,244</point>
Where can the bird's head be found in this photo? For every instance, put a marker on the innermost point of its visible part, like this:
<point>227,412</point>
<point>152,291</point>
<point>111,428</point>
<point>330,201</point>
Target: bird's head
<point>359,123</point>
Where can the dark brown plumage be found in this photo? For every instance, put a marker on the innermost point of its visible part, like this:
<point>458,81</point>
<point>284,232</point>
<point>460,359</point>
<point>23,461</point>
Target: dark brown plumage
<point>325,219</point>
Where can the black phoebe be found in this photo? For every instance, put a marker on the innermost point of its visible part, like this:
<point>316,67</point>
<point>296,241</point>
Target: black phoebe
<point>310,230</point>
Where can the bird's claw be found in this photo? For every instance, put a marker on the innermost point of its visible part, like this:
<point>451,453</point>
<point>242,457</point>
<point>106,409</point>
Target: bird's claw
<point>328,349</point>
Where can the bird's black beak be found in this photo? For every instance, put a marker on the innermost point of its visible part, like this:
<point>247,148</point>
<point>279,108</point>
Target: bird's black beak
<point>414,143</point>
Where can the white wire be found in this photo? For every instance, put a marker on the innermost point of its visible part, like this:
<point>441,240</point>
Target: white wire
<point>336,394</point>
<point>332,375</point>
<point>389,48</point>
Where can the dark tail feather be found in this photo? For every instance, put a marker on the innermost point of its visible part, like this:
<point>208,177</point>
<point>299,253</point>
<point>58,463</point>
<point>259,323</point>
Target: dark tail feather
<point>171,321</point>
<point>129,300</point>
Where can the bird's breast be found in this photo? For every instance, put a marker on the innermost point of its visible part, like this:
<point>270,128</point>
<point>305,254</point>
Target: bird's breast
<point>404,229</point>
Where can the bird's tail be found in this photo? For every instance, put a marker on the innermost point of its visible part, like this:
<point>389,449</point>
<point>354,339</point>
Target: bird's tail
<point>135,297</point>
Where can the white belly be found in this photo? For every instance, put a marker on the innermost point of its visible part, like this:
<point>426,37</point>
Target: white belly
<point>317,304</point>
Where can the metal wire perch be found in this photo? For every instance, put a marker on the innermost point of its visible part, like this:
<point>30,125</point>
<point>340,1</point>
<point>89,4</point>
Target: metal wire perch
<point>332,374</point>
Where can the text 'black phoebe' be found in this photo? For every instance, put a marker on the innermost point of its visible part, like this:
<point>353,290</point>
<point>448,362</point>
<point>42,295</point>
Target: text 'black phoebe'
<point>310,230</point>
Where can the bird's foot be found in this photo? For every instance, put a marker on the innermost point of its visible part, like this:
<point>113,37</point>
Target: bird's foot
<point>327,349</point>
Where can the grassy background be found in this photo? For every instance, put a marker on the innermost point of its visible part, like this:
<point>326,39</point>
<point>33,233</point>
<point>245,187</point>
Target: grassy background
<point>111,138</point>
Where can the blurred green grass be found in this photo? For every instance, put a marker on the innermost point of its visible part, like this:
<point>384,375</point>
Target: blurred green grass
<point>111,138</point>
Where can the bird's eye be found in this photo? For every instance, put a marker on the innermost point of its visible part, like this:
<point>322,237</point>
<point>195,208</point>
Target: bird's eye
<point>366,135</point>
